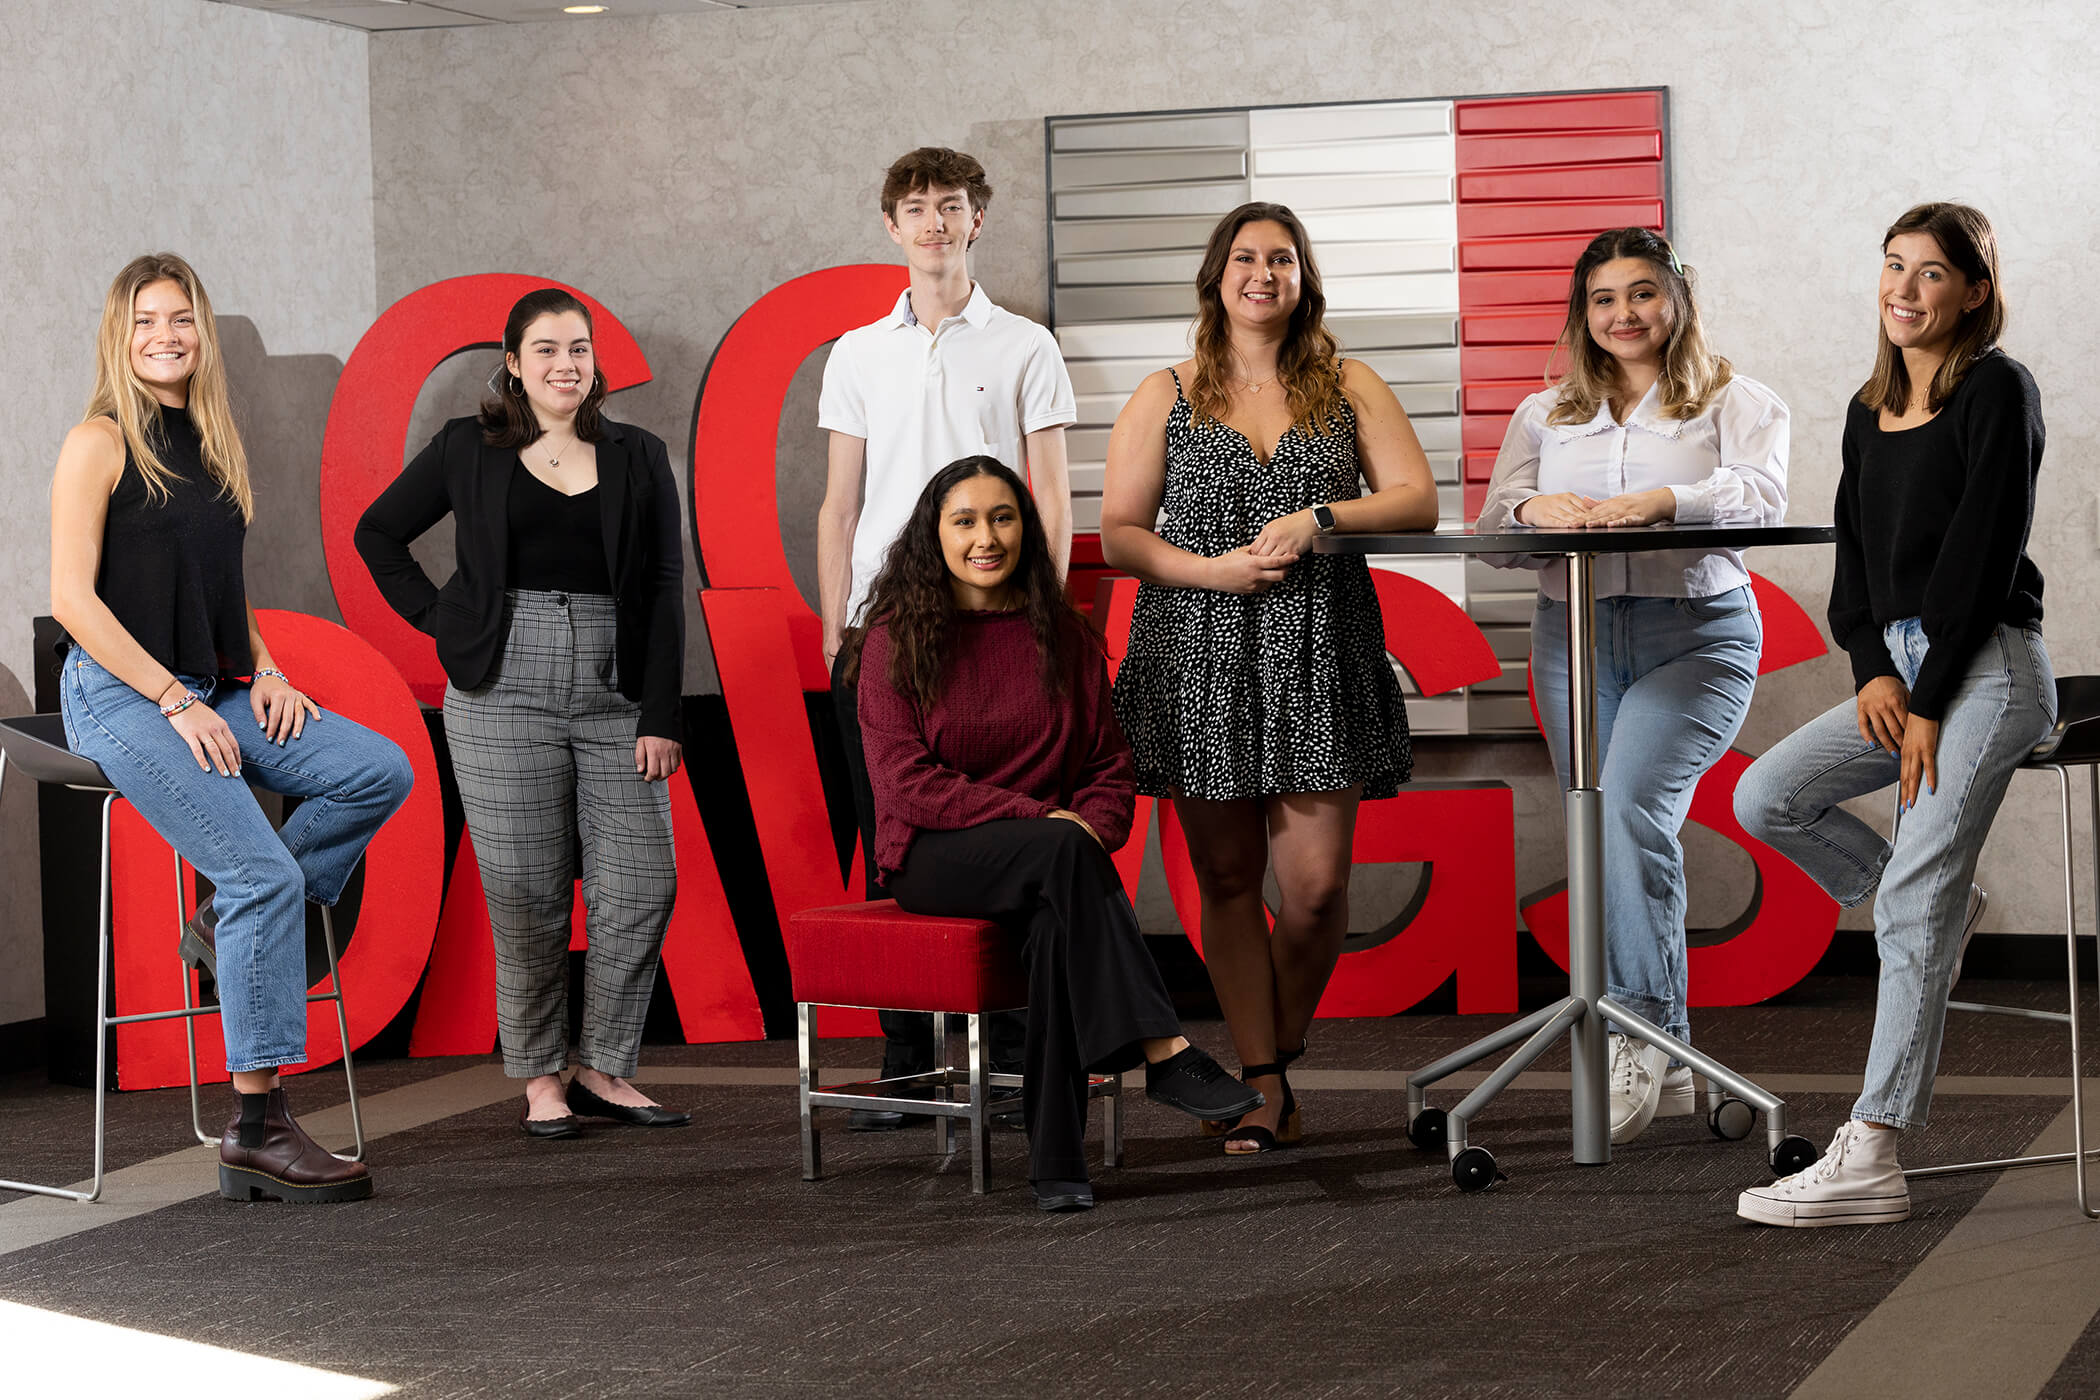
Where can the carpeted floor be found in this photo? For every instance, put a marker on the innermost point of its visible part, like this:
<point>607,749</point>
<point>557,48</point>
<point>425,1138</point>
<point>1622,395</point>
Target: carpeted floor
<point>693,1262</point>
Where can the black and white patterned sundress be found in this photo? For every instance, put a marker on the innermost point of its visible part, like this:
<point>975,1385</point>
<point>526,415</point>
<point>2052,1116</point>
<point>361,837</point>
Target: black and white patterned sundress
<point>1227,695</point>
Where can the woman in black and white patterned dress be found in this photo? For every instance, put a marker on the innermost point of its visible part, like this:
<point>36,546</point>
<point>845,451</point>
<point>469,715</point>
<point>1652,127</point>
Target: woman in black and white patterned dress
<point>1256,691</point>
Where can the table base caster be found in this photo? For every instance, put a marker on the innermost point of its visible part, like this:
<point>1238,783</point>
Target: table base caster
<point>1474,1170</point>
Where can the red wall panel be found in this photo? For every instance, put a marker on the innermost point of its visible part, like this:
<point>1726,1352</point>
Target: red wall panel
<point>1583,112</point>
<point>1574,148</point>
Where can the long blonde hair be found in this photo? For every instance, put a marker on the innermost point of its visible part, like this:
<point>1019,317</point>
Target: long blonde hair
<point>119,395</point>
<point>1306,361</point>
<point>1691,374</point>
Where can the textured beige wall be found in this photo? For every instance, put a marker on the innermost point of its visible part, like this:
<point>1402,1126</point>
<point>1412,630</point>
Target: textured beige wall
<point>242,141</point>
<point>679,167</point>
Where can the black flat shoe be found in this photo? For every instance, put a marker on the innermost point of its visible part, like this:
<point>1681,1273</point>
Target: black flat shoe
<point>1199,1086</point>
<point>567,1127</point>
<point>582,1101</point>
<point>1263,1139</point>
<point>1054,1196</point>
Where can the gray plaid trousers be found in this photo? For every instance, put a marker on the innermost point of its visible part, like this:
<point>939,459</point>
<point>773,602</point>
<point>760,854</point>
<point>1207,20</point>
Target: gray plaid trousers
<point>543,751</point>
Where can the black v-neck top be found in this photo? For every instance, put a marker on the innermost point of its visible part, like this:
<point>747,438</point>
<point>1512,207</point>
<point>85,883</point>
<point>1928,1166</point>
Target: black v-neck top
<point>171,569</point>
<point>557,542</point>
<point>1932,523</point>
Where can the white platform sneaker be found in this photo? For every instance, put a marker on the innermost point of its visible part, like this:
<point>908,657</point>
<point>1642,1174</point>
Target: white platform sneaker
<point>1680,1096</point>
<point>1637,1075</point>
<point>1856,1182</point>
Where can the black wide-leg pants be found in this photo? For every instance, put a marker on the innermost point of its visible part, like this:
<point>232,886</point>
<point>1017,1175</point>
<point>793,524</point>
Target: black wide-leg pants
<point>1093,991</point>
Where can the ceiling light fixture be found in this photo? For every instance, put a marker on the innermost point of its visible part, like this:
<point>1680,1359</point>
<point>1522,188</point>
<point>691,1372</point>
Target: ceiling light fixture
<point>583,9</point>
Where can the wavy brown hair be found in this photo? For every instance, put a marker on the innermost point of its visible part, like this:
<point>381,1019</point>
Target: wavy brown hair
<point>1306,362</point>
<point>911,597</point>
<point>1691,373</point>
<point>507,420</point>
<point>1965,236</point>
<point>120,396</point>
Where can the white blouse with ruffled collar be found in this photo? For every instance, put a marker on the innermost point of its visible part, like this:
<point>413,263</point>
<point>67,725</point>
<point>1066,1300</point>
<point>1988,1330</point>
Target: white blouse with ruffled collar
<point>1726,466</point>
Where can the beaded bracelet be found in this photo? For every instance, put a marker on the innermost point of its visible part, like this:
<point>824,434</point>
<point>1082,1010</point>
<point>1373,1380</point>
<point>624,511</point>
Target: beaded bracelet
<point>189,698</point>
<point>270,671</point>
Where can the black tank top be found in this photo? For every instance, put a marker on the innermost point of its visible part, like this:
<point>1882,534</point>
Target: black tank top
<point>172,569</point>
<point>557,543</point>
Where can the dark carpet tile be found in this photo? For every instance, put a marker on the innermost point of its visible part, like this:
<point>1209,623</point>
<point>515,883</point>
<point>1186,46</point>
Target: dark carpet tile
<point>633,1263</point>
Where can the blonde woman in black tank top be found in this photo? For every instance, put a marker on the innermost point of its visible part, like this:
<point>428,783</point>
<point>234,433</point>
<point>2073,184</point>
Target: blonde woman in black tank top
<point>170,687</point>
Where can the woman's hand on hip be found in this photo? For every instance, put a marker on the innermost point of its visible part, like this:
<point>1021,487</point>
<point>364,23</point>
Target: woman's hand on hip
<point>657,759</point>
<point>1921,746</point>
<point>1636,508</point>
<point>1064,816</point>
<point>210,739</point>
<point>1291,534</point>
<point>1558,511</point>
<point>281,709</point>
<point>1243,571</point>
<point>1884,710</point>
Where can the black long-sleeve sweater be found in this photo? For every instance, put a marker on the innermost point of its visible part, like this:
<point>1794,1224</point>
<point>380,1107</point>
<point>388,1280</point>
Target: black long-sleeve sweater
<point>1932,523</point>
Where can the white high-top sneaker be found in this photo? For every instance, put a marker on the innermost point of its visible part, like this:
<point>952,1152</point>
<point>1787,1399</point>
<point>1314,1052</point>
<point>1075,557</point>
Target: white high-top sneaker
<point>1680,1096</point>
<point>1979,900</point>
<point>1856,1182</point>
<point>1636,1086</point>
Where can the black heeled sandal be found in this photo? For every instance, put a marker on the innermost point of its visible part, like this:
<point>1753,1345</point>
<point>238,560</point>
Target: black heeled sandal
<point>1264,1139</point>
<point>1290,1128</point>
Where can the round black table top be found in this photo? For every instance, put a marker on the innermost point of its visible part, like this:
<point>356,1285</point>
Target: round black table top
<point>1617,539</point>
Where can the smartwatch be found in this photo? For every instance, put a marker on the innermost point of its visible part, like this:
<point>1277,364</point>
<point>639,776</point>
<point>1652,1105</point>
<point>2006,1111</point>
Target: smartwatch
<point>1323,519</point>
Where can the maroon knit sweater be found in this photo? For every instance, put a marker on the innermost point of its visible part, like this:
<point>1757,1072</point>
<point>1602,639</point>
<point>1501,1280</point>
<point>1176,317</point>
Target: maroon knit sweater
<point>997,745</point>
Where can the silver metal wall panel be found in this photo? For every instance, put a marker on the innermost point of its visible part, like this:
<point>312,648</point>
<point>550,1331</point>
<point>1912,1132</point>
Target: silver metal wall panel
<point>1133,235</point>
<point>1108,168</point>
<point>1162,342</point>
<point>1125,133</point>
<point>1207,197</point>
<point>1127,269</point>
<point>1426,400</point>
<point>1121,303</point>
<point>1117,377</point>
<point>1411,366</point>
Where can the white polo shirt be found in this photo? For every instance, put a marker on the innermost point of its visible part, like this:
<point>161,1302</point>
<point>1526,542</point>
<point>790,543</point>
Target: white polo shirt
<point>978,383</point>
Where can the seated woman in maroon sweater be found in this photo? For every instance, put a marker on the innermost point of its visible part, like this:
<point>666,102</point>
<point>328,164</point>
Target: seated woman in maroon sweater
<point>1001,784</point>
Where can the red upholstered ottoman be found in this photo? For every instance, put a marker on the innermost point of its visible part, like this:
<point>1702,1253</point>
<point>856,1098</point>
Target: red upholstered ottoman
<point>877,955</point>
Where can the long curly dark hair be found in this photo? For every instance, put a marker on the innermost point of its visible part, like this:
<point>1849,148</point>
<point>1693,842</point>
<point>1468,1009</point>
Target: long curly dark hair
<point>911,597</point>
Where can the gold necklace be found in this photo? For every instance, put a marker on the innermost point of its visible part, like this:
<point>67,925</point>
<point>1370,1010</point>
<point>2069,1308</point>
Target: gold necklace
<point>1254,388</point>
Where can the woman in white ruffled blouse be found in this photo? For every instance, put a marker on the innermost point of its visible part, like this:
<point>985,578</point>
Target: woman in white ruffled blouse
<point>1646,426</point>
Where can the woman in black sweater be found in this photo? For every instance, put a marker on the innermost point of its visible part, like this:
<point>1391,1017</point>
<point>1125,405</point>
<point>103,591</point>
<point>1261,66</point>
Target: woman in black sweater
<point>563,635</point>
<point>1940,610</point>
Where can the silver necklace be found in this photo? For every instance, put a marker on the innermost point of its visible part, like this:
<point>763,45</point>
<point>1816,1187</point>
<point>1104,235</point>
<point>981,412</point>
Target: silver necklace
<point>553,461</point>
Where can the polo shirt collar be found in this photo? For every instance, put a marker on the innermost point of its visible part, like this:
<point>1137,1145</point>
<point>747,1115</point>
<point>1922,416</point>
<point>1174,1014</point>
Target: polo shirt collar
<point>977,310</point>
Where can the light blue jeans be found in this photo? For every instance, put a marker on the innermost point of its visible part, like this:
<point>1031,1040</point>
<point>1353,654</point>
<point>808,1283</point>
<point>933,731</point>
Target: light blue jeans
<point>1674,677</point>
<point>1789,799</point>
<point>351,780</point>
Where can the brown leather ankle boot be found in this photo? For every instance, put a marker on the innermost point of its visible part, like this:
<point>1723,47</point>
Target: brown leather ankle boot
<point>284,1164</point>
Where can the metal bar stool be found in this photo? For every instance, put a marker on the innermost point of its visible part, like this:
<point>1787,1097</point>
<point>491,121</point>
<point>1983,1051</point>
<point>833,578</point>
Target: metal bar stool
<point>36,744</point>
<point>2074,742</point>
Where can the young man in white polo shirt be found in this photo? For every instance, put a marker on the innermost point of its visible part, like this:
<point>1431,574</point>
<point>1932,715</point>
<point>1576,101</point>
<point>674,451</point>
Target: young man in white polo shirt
<point>945,374</point>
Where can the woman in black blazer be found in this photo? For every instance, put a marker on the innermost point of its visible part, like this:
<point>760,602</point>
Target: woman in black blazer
<point>562,632</point>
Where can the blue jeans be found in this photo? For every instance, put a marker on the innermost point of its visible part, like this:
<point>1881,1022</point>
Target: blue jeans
<point>351,780</point>
<point>1674,677</point>
<point>1789,799</point>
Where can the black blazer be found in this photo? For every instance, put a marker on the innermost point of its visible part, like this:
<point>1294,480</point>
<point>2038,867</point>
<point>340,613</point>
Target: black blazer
<point>460,474</point>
